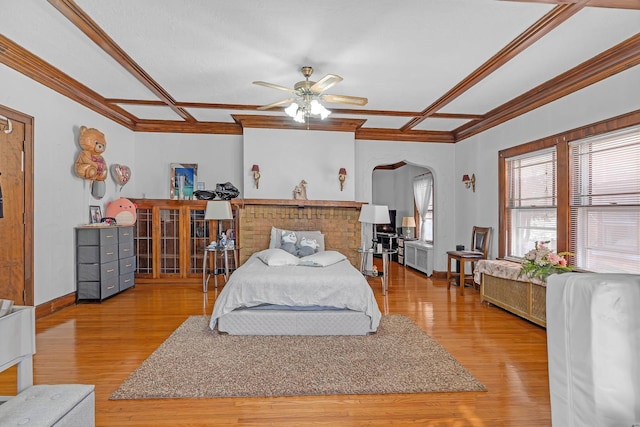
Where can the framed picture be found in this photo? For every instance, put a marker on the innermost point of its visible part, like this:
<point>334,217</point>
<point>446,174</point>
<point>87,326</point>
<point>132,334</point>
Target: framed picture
<point>183,180</point>
<point>95,214</point>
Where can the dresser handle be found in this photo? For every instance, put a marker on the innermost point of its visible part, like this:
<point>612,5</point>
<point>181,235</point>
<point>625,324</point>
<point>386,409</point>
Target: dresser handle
<point>127,281</point>
<point>109,237</point>
<point>126,250</point>
<point>110,270</point>
<point>109,253</point>
<point>125,234</point>
<point>110,287</point>
<point>128,265</point>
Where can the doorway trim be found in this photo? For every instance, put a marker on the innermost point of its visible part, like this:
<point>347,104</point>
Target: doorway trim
<point>17,116</point>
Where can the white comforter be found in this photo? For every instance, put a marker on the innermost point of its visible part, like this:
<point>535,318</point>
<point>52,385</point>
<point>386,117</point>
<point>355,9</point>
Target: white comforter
<point>339,285</point>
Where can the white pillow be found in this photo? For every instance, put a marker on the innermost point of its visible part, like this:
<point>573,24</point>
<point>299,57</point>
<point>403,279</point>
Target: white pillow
<point>276,257</point>
<point>322,259</point>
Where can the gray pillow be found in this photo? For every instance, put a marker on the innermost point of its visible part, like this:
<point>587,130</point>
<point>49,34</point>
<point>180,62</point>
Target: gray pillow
<point>276,237</point>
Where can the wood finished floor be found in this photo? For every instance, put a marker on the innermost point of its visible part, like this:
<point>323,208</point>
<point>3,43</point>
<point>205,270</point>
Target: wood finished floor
<point>102,344</point>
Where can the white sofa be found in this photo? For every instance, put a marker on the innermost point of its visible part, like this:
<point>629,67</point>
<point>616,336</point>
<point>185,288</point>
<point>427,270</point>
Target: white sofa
<point>59,405</point>
<point>593,340</point>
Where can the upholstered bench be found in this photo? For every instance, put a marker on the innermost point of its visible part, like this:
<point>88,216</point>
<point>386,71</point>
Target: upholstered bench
<point>68,405</point>
<point>501,284</point>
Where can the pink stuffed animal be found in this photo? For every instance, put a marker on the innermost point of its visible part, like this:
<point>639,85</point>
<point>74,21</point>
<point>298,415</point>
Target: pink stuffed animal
<point>123,210</point>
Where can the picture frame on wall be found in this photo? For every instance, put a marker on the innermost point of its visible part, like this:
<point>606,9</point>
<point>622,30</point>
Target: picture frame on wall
<point>95,214</point>
<point>184,177</point>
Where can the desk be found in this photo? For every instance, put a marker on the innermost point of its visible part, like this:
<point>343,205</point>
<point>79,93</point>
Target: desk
<point>216,251</point>
<point>364,256</point>
<point>462,257</point>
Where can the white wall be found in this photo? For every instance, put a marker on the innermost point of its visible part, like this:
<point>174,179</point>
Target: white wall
<point>615,96</point>
<point>61,198</point>
<point>286,157</point>
<point>218,158</point>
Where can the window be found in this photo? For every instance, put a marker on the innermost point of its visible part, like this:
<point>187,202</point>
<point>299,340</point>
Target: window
<point>423,196</point>
<point>531,211</point>
<point>605,202</point>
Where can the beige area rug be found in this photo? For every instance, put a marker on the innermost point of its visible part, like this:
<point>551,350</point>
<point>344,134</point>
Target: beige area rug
<point>197,362</point>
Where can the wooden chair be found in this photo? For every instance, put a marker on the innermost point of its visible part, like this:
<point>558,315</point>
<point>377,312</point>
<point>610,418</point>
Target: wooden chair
<point>480,238</point>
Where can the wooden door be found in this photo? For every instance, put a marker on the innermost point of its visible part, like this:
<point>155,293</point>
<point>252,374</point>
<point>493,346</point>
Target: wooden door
<point>16,214</point>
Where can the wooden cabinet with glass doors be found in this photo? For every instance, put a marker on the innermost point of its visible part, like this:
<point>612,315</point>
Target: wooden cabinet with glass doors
<point>170,237</point>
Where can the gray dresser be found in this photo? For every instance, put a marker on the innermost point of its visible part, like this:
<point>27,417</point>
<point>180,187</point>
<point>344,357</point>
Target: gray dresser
<point>105,261</point>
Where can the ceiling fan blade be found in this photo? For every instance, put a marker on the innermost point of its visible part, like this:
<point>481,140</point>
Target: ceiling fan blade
<point>325,83</point>
<point>343,99</point>
<point>275,104</point>
<point>274,86</point>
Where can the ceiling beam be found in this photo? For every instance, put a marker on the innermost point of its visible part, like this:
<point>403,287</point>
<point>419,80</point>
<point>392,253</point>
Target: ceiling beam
<point>91,29</point>
<point>382,134</point>
<point>535,32</point>
<point>612,61</point>
<point>351,111</point>
<point>175,126</point>
<point>281,122</point>
<point>32,66</point>
<point>612,4</point>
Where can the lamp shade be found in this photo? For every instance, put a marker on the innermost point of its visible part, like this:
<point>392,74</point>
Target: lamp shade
<point>465,178</point>
<point>218,210</point>
<point>408,221</point>
<point>255,168</point>
<point>342,171</point>
<point>374,214</point>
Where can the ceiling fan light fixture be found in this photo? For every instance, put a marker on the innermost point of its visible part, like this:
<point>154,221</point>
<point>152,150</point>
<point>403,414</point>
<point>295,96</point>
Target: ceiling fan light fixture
<point>300,116</point>
<point>292,110</point>
<point>318,109</point>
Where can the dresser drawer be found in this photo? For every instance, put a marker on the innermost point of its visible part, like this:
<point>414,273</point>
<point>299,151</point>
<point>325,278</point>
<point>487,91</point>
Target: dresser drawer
<point>98,290</point>
<point>97,236</point>
<point>125,250</point>
<point>125,235</point>
<point>97,254</point>
<point>127,281</point>
<point>127,265</point>
<point>97,272</point>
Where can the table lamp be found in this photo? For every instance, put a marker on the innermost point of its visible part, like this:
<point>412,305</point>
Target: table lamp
<point>374,214</point>
<point>218,210</point>
<point>408,222</point>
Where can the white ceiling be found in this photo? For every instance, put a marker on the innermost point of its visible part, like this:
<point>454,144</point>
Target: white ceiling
<point>401,55</point>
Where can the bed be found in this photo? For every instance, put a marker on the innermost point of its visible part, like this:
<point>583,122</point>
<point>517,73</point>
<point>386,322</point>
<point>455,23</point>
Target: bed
<point>278,293</point>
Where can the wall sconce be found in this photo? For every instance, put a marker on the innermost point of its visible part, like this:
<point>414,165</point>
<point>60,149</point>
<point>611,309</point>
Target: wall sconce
<point>470,182</point>
<point>342,175</point>
<point>256,174</point>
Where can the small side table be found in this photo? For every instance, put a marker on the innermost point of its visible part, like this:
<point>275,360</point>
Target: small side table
<point>205,272</point>
<point>364,256</point>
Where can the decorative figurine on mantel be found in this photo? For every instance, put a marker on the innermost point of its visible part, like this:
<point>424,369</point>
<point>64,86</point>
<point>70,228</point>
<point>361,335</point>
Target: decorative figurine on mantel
<point>300,191</point>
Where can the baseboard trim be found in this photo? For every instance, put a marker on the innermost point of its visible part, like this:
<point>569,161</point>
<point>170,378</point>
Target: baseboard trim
<point>439,275</point>
<point>54,305</point>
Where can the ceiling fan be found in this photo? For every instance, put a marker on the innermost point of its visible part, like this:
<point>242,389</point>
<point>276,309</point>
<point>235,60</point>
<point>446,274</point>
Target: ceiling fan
<point>307,95</point>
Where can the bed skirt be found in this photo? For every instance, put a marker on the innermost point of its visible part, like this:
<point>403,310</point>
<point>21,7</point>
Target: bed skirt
<point>274,321</point>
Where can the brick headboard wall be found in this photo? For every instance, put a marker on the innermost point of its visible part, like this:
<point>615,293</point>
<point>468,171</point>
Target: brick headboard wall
<point>338,220</point>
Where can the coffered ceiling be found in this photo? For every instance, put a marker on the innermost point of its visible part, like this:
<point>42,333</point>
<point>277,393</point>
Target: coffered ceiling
<point>432,70</point>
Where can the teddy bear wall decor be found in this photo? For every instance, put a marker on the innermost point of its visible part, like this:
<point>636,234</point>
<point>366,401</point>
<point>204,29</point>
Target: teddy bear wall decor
<point>90,164</point>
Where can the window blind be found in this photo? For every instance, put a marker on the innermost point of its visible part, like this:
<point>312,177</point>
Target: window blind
<point>605,202</point>
<point>531,201</point>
